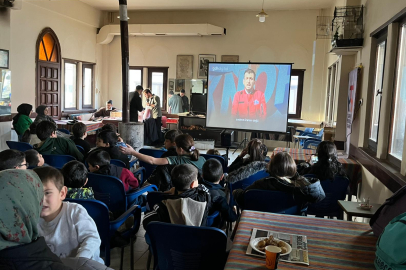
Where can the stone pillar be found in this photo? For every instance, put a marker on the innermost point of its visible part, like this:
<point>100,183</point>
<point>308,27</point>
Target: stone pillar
<point>132,134</point>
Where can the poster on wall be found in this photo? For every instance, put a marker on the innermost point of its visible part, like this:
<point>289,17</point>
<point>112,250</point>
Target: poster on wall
<point>204,60</point>
<point>352,90</point>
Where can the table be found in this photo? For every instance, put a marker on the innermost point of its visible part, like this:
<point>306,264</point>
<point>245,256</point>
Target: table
<point>91,126</point>
<point>352,209</point>
<point>332,244</point>
<point>305,123</point>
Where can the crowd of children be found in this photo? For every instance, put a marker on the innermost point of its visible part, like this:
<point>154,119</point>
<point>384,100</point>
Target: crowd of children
<point>192,187</point>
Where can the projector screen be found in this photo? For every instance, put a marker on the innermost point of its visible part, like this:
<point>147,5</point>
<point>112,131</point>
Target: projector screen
<point>248,96</point>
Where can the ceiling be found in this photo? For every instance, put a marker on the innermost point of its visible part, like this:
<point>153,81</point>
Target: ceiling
<point>241,5</point>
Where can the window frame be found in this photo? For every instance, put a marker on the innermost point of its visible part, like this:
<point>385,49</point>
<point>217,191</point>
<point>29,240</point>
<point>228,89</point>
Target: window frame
<point>299,96</point>
<point>331,92</point>
<point>164,70</point>
<point>382,37</point>
<point>91,66</point>
<point>142,76</point>
<point>69,61</point>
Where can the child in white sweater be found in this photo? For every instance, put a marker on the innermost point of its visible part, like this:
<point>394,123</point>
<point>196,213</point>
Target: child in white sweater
<point>67,228</point>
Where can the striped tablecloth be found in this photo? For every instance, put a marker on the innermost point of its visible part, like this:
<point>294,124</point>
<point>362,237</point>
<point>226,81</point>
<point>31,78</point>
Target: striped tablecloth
<point>332,244</point>
<point>91,126</point>
<point>351,167</point>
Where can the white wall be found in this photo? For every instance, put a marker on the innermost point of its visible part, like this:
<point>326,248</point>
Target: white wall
<point>74,23</point>
<point>286,36</point>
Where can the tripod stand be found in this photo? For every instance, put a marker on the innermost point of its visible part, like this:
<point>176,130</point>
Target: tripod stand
<point>244,141</point>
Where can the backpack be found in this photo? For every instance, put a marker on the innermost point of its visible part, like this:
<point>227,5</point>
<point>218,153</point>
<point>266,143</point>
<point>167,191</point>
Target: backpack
<point>392,207</point>
<point>391,246</point>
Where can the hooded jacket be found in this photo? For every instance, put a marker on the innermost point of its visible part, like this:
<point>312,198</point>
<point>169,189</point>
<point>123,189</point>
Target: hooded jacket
<point>59,146</point>
<point>304,190</point>
<point>166,209</point>
<point>125,175</point>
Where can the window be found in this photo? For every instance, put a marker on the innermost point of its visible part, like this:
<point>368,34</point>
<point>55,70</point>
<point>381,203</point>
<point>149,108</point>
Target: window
<point>87,90</point>
<point>296,93</point>
<point>331,101</point>
<point>70,85</point>
<point>399,111</point>
<point>157,81</point>
<point>135,78</point>
<point>377,93</point>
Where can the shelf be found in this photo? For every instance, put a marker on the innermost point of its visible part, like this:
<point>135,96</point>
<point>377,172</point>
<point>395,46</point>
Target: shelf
<point>346,50</point>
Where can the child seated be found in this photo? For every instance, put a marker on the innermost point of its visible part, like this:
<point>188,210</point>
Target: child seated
<point>99,162</point>
<point>213,152</point>
<point>30,135</point>
<point>51,144</point>
<point>67,228</point>
<point>170,144</point>
<point>187,203</point>
<point>212,175</point>
<point>12,159</point>
<point>75,178</point>
<point>34,159</point>
<point>79,131</point>
<point>107,141</point>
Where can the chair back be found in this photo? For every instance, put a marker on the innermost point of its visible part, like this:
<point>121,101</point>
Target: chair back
<point>109,190</point>
<point>20,146</point>
<point>334,190</point>
<point>321,132</point>
<point>219,158</point>
<point>187,247</point>
<point>157,153</point>
<point>57,161</point>
<point>118,163</point>
<point>99,212</point>
<point>271,201</point>
<point>64,130</point>
<point>309,130</point>
<point>243,184</point>
<point>309,143</point>
<point>81,149</point>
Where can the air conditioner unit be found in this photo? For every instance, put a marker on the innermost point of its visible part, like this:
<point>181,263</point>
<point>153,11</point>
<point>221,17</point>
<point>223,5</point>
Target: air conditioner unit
<point>13,4</point>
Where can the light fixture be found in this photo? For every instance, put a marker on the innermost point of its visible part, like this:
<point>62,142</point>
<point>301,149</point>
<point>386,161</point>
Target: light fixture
<point>262,15</point>
<point>118,17</point>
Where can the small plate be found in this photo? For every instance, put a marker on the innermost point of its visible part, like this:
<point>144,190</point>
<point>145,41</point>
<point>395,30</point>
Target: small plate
<point>365,207</point>
<point>254,242</point>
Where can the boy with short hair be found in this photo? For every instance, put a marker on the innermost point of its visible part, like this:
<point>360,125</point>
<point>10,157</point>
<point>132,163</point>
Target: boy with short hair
<point>187,203</point>
<point>79,131</point>
<point>170,144</point>
<point>34,159</point>
<point>75,178</point>
<point>67,228</point>
<point>99,162</point>
<point>51,144</point>
<point>12,159</point>
<point>212,173</point>
<point>213,152</point>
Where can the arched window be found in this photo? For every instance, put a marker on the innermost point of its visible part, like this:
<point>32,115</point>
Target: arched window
<point>48,72</point>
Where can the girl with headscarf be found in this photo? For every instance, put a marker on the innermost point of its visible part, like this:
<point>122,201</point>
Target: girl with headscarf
<point>42,115</point>
<point>21,194</point>
<point>22,121</point>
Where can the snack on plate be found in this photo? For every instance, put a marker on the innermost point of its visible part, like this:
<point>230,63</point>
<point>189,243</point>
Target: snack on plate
<point>271,241</point>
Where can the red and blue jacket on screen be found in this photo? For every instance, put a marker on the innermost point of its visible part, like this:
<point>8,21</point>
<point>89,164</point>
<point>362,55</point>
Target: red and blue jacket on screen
<point>249,106</point>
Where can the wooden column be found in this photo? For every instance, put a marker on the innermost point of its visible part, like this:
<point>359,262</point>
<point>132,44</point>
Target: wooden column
<point>124,58</point>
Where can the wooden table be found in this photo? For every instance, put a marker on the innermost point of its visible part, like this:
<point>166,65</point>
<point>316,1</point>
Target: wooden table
<point>352,209</point>
<point>305,123</point>
<point>332,244</point>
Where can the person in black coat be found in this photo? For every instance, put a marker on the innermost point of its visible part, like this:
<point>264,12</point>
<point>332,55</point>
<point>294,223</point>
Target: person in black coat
<point>136,104</point>
<point>284,177</point>
<point>255,151</point>
<point>185,100</point>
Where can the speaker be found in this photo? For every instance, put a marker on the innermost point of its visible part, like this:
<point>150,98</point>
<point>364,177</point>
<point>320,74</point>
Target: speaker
<point>227,137</point>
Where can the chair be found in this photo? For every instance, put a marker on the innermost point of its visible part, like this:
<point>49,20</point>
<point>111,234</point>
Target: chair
<point>317,136</point>
<point>57,161</point>
<point>20,146</point>
<point>311,142</point>
<point>219,158</point>
<point>187,247</point>
<point>81,149</point>
<point>118,163</point>
<point>99,212</point>
<point>110,190</point>
<point>306,130</point>
<point>148,167</point>
<point>334,190</point>
<point>64,130</point>
<point>272,202</point>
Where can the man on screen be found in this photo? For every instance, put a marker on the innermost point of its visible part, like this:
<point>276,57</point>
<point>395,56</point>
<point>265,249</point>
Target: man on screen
<point>249,103</point>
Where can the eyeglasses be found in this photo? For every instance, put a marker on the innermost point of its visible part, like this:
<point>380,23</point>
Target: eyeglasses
<point>22,164</point>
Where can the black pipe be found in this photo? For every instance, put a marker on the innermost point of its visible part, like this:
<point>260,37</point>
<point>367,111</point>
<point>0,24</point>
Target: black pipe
<point>124,57</point>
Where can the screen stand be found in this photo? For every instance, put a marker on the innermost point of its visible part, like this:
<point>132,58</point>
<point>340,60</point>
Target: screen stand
<point>242,142</point>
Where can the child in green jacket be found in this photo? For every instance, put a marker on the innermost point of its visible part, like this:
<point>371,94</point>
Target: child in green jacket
<point>22,121</point>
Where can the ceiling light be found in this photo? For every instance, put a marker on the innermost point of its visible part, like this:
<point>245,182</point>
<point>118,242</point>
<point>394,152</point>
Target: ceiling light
<point>118,17</point>
<point>262,15</point>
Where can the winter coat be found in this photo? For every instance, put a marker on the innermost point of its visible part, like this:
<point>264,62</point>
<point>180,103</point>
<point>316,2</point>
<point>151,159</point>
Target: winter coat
<point>161,177</point>
<point>59,146</point>
<point>135,107</point>
<point>125,175</point>
<point>246,171</point>
<point>304,190</point>
<point>22,124</point>
<point>114,153</point>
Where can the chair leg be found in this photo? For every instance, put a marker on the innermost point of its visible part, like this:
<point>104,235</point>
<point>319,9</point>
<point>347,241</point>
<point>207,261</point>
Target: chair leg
<point>132,253</point>
<point>149,260</point>
<point>122,258</point>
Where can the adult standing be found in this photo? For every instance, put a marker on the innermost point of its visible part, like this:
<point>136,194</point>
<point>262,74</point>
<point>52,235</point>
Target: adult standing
<point>175,103</point>
<point>154,102</point>
<point>185,100</point>
<point>136,104</point>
